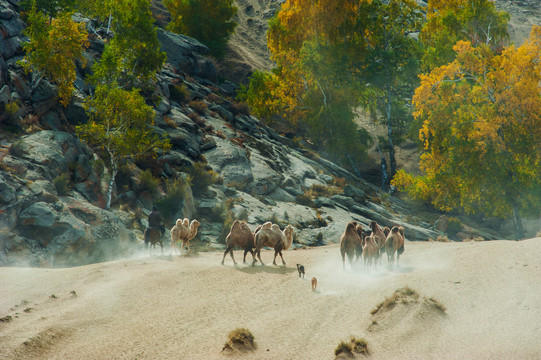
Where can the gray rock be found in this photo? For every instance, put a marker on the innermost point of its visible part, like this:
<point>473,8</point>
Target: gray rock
<point>323,201</point>
<point>343,200</point>
<point>355,193</point>
<point>7,193</point>
<point>39,214</point>
<point>185,53</point>
<point>230,162</point>
<point>182,139</point>
<point>177,158</point>
<point>282,195</point>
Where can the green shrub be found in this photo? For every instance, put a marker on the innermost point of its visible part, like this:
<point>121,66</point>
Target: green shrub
<point>202,178</point>
<point>214,32</point>
<point>173,201</point>
<point>454,226</point>
<point>305,199</point>
<point>179,93</point>
<point>61,184</point>
<point>147,182</point>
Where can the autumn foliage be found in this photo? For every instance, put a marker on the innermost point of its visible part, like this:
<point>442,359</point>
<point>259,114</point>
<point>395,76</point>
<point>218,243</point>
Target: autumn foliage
<point>52,50</point>
<point>481,131</point>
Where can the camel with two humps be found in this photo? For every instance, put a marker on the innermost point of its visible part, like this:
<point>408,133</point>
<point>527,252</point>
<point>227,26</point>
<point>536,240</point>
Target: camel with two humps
<point>370,251</point>
<point>381,237</point>
<point>394,243</point>
<point>348,243</point>
<point>240,235</point>
<point>182,233</point>
<point>270,235</point>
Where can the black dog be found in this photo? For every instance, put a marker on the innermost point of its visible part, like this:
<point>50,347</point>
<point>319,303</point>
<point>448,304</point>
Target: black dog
<point>300,269</point>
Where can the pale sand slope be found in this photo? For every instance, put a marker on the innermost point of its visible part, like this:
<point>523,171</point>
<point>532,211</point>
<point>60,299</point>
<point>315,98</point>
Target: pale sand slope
<point>184,307</point>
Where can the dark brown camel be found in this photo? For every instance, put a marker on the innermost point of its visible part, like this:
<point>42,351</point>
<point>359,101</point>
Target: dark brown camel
<point>240,235</point>
<point>348,243</point>
<point>153,236</point>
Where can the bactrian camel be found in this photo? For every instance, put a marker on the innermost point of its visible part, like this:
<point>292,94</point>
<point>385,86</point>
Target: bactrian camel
<point>240,235</point>
<point>183,232</point>
<point>348,243</point>
<point>271,236</point>
<point>394,243</point>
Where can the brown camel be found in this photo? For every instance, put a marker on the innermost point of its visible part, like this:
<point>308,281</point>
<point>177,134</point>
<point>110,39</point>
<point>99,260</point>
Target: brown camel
<point>370,251</point>
<point>360,243</point>
<point>184,233</point>
<point>386,231</point>
<point>240,235</point>
<point>348,243</point>
<point>377,230</point>
<point>273,237</point>
<point>395,242</point>
<point>153,236</point>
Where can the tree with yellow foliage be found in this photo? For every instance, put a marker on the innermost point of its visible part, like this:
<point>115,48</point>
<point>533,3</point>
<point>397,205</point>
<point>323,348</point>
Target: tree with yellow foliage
<point>481,132</point>
<point>52,50</point>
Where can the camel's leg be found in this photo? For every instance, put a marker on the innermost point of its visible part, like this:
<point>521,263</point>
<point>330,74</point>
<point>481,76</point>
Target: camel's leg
<point>161,246</point>
<point>225,253</point>
<point>283,262</point>
<point>246,253</point>
<point>258,253</point>
<point>231,253</point>
<point>188,245</point>
<point>274,260</point>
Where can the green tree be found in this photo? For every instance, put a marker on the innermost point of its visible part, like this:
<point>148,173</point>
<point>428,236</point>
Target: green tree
<point>391,65</point>
<point>209,21</point>
<point>52,50</point>
<point>119,128</point>
<point>48,7</point>
<point>481,132</point>
<point>448,21</point>
<point>132,57</point>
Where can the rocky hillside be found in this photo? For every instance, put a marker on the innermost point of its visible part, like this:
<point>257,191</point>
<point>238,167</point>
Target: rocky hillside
<point>52,186</point>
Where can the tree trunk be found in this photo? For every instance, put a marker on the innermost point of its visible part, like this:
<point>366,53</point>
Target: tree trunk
<point>517,221</point>
<point>392,158</point>
<point>114,170</point>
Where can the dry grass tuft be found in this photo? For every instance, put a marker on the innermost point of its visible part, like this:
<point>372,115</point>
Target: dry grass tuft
<point>360,346</point>
<point>404,295</point>
<point>199,106</point>
<point>240,339</point>
<point>344,348</point>
<point>435,304</point>
<point>538,234</point>
<point>442,238</point>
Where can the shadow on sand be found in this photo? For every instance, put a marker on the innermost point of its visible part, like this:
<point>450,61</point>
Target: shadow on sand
<point>272,269</point>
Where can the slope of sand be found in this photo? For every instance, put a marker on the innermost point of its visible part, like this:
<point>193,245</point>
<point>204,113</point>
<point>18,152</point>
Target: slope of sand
<point>183,307</point>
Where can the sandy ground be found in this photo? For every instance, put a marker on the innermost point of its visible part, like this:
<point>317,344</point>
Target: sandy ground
<point>183,307</point>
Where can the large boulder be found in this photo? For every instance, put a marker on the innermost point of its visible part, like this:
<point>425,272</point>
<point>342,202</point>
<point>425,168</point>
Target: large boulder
<point>185,53</point>
<point>70,232</point>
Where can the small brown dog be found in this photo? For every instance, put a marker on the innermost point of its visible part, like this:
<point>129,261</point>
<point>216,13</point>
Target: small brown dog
<point>314,284</point>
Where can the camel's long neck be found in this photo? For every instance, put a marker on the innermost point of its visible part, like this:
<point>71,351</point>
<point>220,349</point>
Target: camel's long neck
<point>289,240</point>
<point>193,231</point>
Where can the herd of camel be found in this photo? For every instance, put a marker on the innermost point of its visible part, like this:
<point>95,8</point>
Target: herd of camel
<point>355,241</point>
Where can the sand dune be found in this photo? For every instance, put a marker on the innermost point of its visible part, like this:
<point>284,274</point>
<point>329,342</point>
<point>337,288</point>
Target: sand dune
<point>183,307</point>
